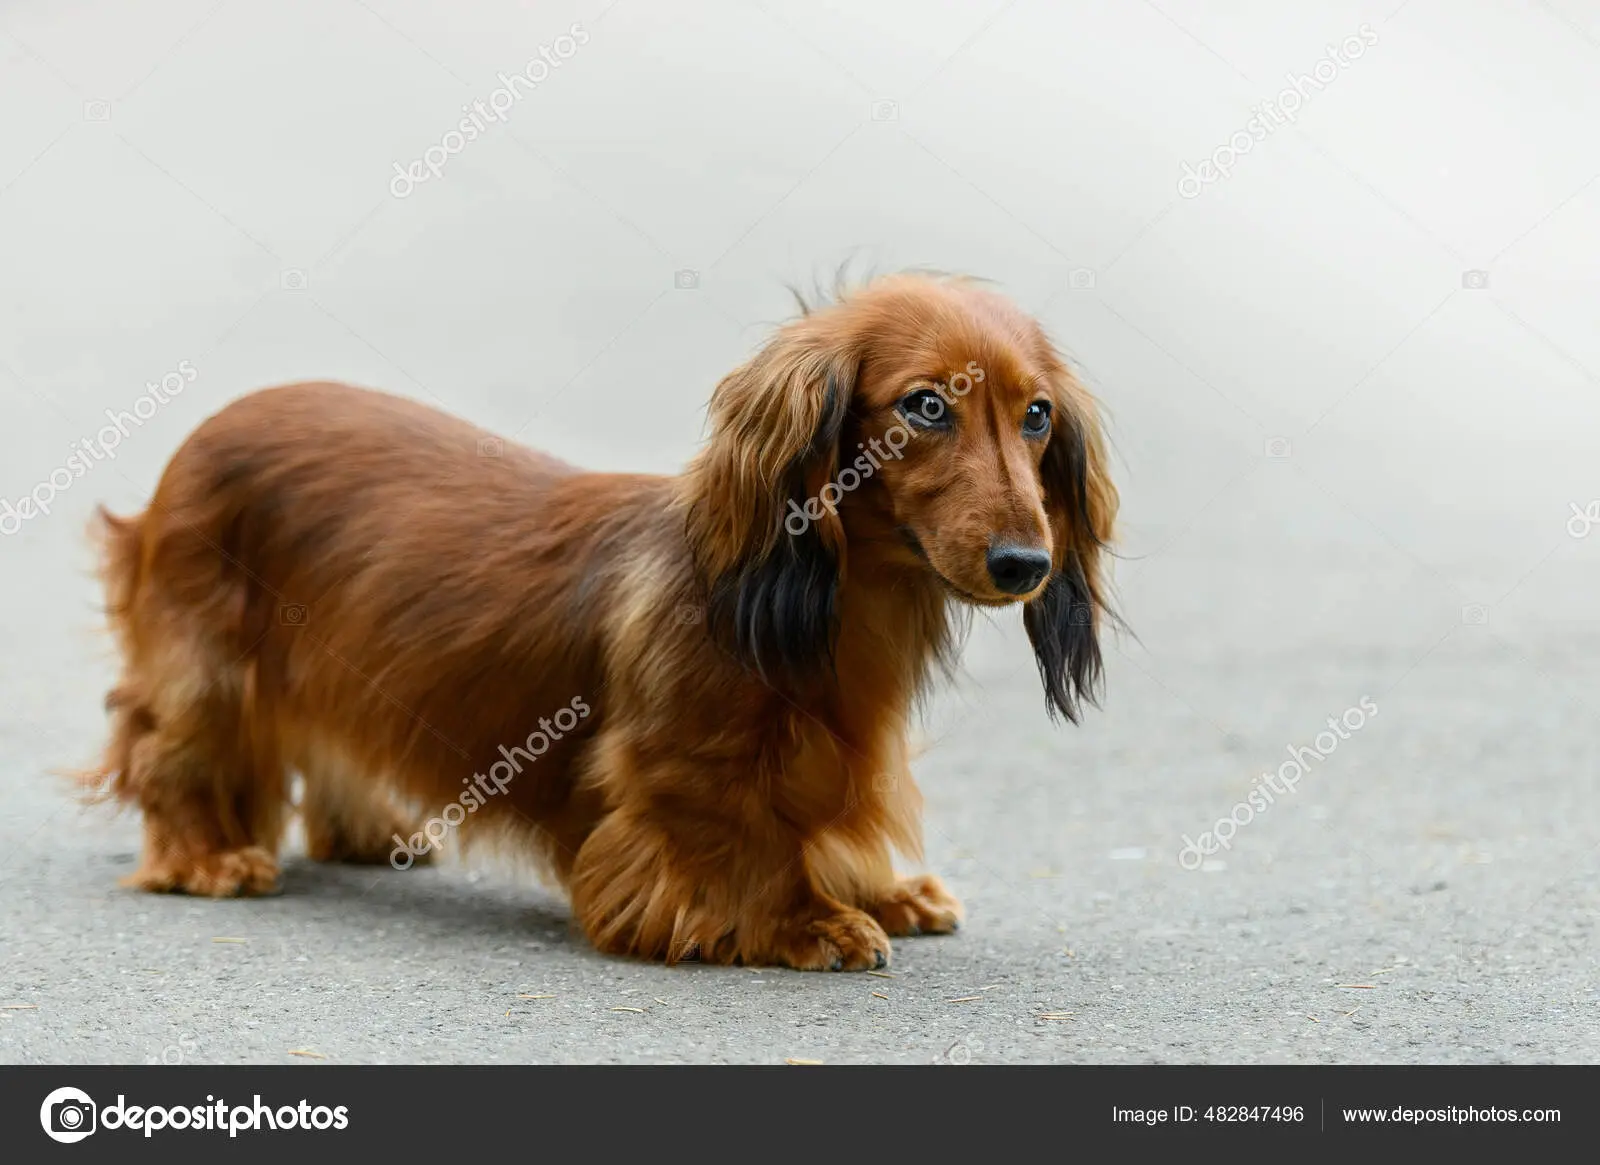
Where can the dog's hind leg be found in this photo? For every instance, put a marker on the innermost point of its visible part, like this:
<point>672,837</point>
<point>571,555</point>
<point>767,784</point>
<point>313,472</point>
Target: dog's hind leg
<point>346,815</point>
<point>212,800</point>
<point>182,747</point>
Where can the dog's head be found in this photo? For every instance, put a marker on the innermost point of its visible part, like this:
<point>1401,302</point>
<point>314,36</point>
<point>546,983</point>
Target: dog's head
<point>930,423</point>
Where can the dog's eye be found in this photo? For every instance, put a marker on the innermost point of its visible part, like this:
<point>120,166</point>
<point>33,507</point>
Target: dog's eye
<point>1037,419</point>
<point>925,408</point>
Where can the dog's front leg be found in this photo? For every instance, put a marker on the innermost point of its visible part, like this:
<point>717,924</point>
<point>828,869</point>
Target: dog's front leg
<point>916,905</point>
<point>854,861</point>
<point>655,882</point>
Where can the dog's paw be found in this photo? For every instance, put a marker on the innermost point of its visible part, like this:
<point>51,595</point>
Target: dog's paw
<point>227,874</point>
<point>919,905</point>
<point>847,941</point>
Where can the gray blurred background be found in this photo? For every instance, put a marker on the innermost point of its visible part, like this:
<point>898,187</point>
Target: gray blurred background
<point>1354,390</point>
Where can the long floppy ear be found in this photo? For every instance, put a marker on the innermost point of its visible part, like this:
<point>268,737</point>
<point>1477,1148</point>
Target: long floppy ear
<point>766,537</point>
<point>1065,621</point>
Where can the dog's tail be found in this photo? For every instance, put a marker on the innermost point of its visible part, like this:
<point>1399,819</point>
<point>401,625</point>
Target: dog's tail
<point>121,542</point>
<point>121,545</point>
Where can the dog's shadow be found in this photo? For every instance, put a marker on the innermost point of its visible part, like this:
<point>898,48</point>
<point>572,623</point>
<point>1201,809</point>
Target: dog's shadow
<point>429,903</point>
<point>441,904</point>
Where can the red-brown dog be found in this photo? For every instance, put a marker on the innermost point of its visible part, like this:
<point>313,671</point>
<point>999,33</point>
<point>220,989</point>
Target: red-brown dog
<point>688,695</point>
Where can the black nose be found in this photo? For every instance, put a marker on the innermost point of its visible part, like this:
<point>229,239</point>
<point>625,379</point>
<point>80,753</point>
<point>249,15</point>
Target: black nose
<point>1016,569</point>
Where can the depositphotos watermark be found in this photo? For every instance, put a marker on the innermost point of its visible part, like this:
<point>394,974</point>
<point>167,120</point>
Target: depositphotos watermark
<point>87,452</point>
<point>177,1053</point>
<point>1584,519</point>
<point>68,1115</point>
<point>872,457</point>
<point>1268,785</point>
<point>481,113</point>
<point>962,1051</point>
<point>480,787</point>
<point>1281,110</point>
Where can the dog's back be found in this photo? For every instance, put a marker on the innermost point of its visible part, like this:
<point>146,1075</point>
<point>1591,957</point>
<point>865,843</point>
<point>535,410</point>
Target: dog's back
<point>307,527</point>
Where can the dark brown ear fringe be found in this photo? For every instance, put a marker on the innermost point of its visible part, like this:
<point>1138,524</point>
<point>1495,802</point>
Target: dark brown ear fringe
<point>776,608</point>
<point>1065,621</point>
<point>779,612</point>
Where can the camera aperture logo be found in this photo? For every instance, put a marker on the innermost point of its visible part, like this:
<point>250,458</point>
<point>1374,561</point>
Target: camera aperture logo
<point>68,1115</point>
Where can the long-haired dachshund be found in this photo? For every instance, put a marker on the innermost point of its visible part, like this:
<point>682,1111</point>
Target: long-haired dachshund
<point>688,696</point>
